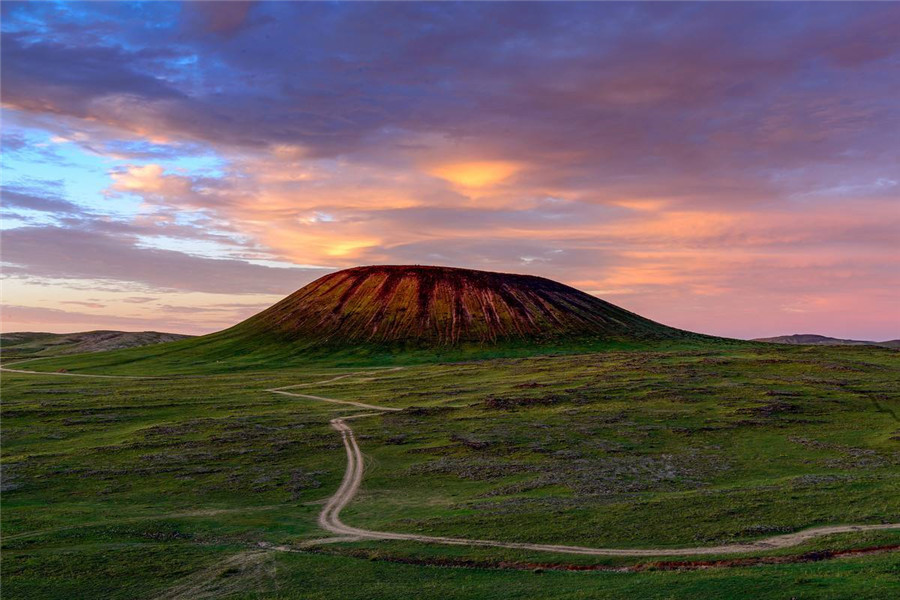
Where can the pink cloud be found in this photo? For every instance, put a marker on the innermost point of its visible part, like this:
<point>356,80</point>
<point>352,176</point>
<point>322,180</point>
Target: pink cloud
<point>731,169</point>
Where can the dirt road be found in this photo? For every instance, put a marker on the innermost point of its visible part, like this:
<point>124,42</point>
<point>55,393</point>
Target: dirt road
<point>329,518</point>
<point>8,370</point>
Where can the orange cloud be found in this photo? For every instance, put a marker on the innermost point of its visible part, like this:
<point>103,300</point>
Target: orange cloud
<point>476,174</point>
<point>150,179</point>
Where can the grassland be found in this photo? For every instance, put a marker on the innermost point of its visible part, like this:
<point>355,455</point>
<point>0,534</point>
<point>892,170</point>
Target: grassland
<point>208,485</point>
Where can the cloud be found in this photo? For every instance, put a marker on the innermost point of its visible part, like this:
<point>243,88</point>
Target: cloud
<point>12,141</point>
<point>19,318</point>
<point>140,299</point>
<point>55,252</point>
<point>85,304</point>
<point>223,18</point>
<point>23,198</point>
<point>422,69</point>
<point>476,174</point>
<point>573,141</point>
<point>150,180</point>
<point>47,76</point>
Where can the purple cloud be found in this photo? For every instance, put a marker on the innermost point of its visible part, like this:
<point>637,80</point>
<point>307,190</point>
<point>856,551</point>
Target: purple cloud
<point>56,252</point>
<point>624,147</point>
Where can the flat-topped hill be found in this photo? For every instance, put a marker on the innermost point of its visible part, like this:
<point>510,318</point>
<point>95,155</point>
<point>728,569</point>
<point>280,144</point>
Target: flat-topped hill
<point>444,306</point>
<point>384,315</point>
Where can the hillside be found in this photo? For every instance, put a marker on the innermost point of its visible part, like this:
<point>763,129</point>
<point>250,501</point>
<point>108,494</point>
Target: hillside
<point>39,344</point>
<point>444,306</point>
<point>822,340</point>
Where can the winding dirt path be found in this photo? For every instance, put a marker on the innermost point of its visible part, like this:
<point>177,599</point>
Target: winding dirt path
<point>329,517</point>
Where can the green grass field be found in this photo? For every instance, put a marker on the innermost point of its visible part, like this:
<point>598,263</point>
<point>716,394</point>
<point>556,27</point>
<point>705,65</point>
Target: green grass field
<point>206,485</point>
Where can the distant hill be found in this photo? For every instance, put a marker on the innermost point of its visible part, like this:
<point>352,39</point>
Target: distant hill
<point>37,344</point>
<point>821,340</point>
<point>439,306</point>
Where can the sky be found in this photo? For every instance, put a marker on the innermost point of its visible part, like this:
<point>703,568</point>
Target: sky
<point>727,168</point>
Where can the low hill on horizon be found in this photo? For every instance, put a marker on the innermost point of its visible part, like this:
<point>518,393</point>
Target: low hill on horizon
<point>823,340</point>
<point>39,344</point>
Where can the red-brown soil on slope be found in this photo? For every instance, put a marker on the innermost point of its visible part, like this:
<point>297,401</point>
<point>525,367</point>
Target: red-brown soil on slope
<point>443,305</point>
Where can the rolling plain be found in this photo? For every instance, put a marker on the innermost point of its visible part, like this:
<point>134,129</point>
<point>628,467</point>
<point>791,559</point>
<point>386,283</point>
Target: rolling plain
<point>207,485</point>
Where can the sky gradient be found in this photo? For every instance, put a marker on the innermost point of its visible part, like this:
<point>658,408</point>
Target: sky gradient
<point>727,168</point>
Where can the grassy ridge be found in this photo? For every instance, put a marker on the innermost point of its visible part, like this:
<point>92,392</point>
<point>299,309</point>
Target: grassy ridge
<point>229,351</point>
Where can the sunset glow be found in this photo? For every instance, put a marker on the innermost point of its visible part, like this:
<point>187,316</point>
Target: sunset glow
<point>725,168</point>
<point>476,174</point>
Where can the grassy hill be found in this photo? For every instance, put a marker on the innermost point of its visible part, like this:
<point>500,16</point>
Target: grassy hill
<point>37,344</point>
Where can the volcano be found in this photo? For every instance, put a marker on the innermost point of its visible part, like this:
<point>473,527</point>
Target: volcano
<point>379,315</point>
<point>442,306</point>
